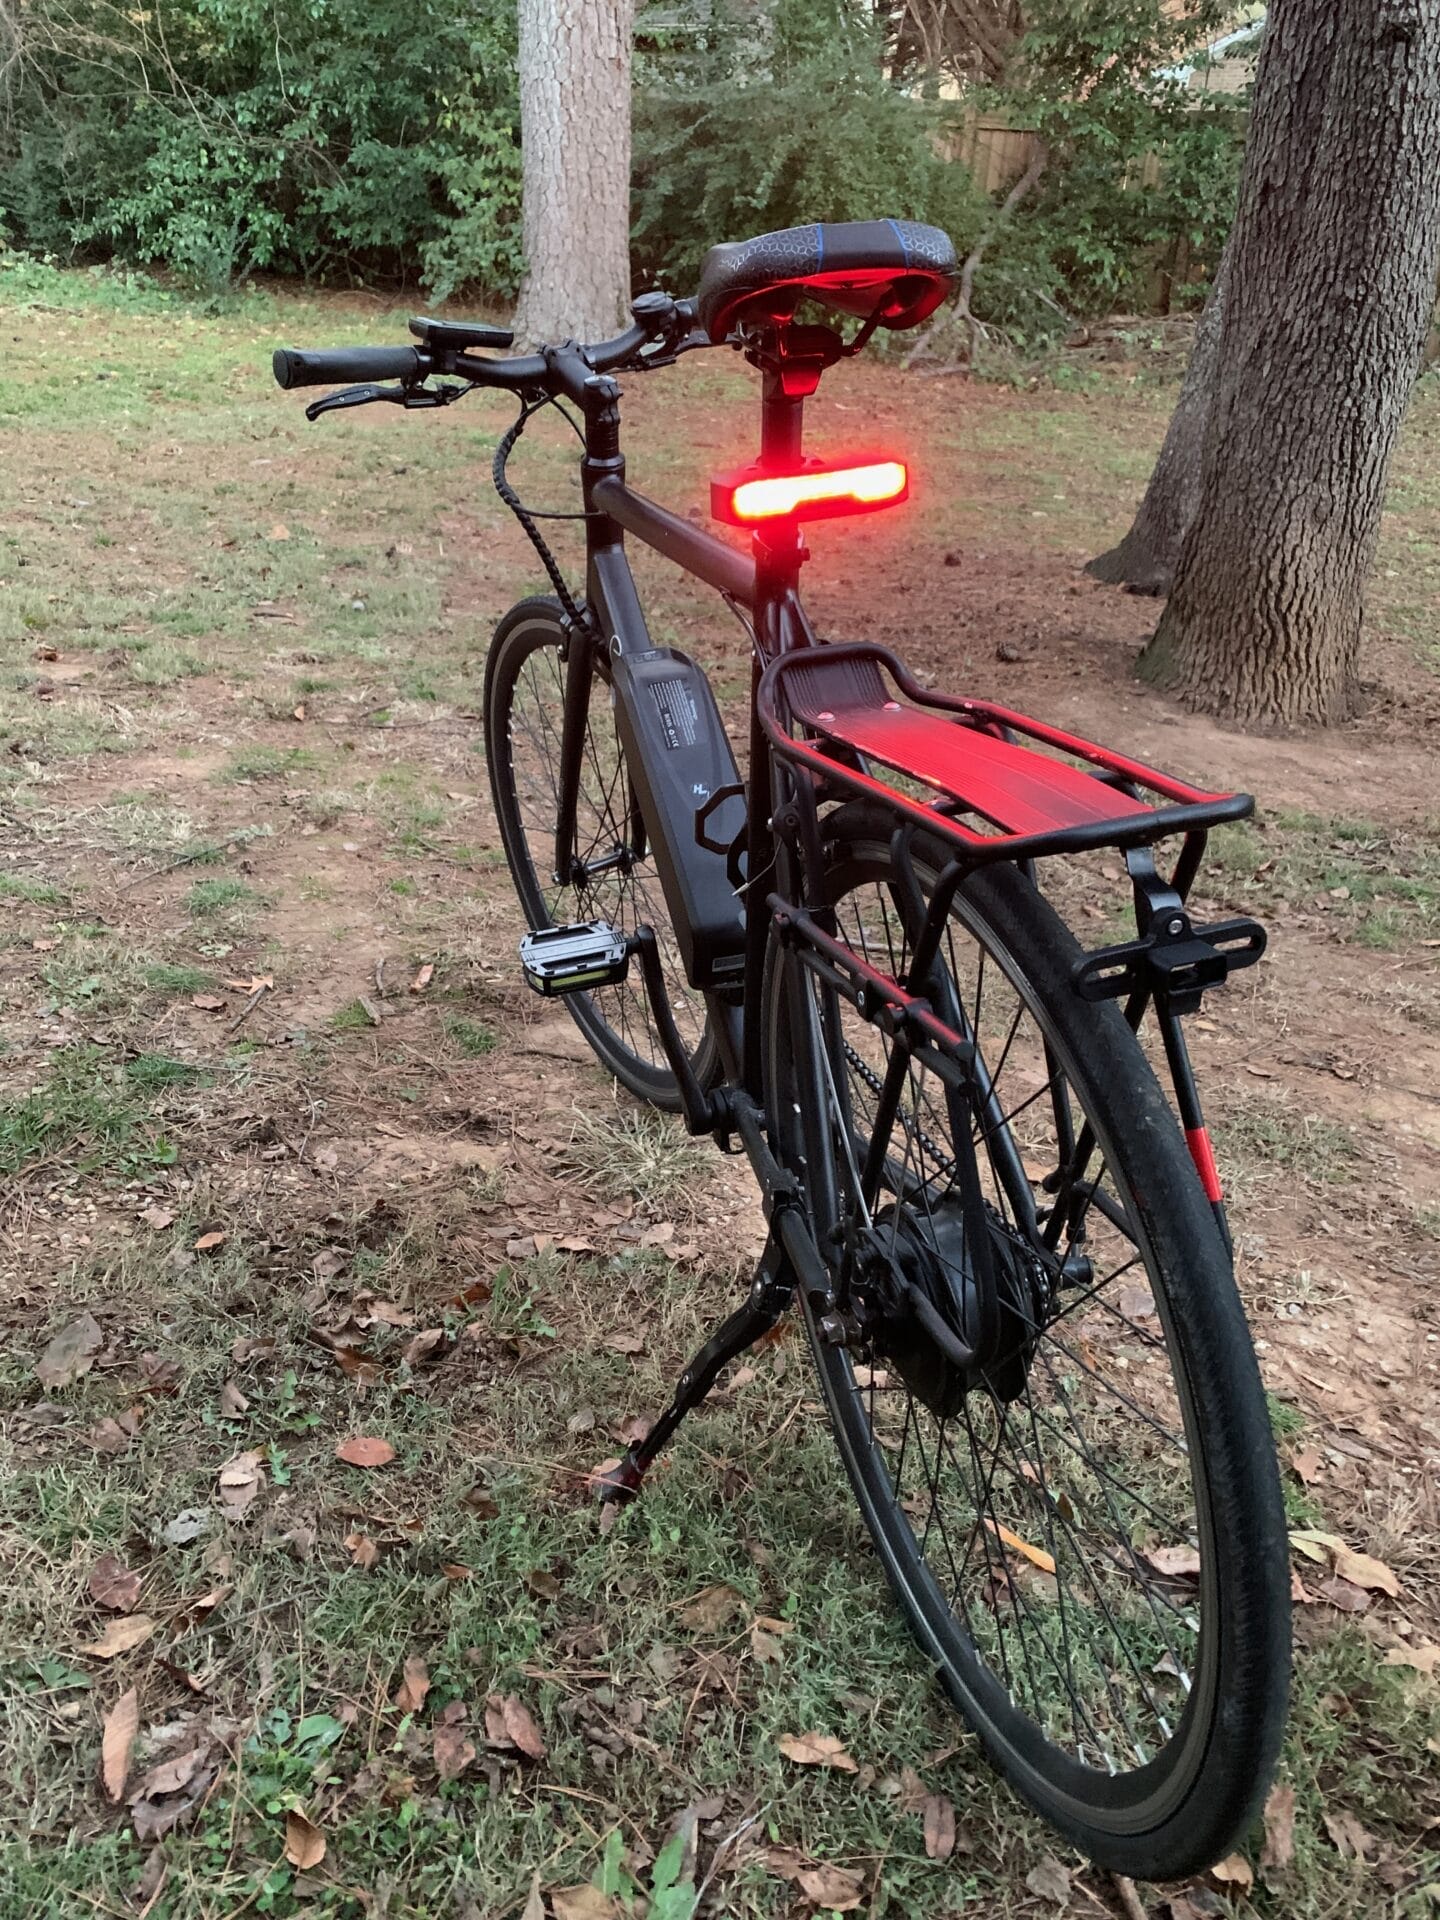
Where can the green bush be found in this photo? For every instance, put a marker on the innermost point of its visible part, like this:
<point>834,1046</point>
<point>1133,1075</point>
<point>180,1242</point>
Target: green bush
<point>773,119</point>
<point>319,137</point>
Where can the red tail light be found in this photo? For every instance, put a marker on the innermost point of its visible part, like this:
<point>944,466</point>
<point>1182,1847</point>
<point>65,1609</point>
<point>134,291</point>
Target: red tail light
<point>748,498</point>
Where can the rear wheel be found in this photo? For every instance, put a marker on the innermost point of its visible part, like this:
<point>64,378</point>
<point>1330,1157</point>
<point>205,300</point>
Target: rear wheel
<point>1082,1520</point>
<point>607,879</point>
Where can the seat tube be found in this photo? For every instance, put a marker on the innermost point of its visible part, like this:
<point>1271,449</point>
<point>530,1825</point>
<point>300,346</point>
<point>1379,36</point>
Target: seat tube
<point>779,548</point>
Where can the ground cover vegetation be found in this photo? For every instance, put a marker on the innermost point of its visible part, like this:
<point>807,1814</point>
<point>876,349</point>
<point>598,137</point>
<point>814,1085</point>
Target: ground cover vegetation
<point>330,1264</point>
<point>218,140</point>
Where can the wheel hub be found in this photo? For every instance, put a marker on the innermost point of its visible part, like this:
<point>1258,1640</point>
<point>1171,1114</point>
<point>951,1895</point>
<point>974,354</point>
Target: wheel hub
<point>920,1267</point>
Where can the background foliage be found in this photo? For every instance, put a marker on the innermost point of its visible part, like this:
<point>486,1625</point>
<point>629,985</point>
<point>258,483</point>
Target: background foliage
<point>335,140</point>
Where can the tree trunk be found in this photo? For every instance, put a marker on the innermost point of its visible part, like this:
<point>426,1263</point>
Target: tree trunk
<point>575,144</point>
<point>1331,273</point>
<point>1147,557</point>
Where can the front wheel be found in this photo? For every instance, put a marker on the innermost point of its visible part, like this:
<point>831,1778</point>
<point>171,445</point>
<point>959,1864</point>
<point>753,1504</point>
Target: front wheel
<point>611,875</point>
<point>1082,1520</point>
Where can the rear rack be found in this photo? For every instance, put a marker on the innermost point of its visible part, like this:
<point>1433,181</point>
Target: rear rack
<point>829,709</point>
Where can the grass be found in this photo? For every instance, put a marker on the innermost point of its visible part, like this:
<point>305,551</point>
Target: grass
<point>1378,887</point>
<point>209,897</point>
<point>95,1115</point>
<point>634,1152</point>
<point>469,1037</point>
<point>1267,1133</point>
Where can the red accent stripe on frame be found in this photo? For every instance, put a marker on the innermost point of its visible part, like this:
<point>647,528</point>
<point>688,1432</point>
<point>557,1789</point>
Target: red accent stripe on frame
<point>1203,1154</point>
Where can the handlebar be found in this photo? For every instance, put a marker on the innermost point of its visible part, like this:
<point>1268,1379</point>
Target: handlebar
<point>332,366</point>
<point>668,325</point>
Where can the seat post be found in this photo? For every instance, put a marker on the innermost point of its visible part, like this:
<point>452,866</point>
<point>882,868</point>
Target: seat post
<point>779,547</point>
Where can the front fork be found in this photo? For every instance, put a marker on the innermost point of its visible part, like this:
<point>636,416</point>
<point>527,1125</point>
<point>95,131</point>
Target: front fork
<point>578,658</point>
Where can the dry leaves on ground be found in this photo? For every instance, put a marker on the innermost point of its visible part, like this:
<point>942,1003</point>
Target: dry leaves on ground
<point>583,1903</point>
<point>817,1750</point>
<point>1279,1849</point>
<point>1234,1871</point>
<point>1360,1569</point>
<point>709,1611</point>
<point>241,1480</point>
<point>122,1723</point>
<point>363,1450</point>
<point>71,1353</point>
<point>169,1793</point>
<point>121,1636</point>
<point>410,1696</point>
<point>112,1584</point>
<point>1050,1880</point>
<point>452,1748</point>
<point>938,1818</point>
<point>836,1889</point>
<point>304,1842</point>
<point>510,1723</point>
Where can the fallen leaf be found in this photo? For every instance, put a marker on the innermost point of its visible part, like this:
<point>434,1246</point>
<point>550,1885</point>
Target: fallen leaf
<point>455,1570</point>
<point>240,1482</point>
<point>364,1450</point>
<point>509,1722</point>
<point>1352,1841</point>
<point>836,1889</point>
<point>232,1400</point>
<point>481,1502</point>
<point>1343,1594</point>
<point>764,1646</point>
<point>1050,1880</point>
<point>711,1609</point>
<point>543,1584</point>
<point>71,1352</point>
<point>122,1723</point>
<point>1424,1659</point>
<point>170,1793</point>
<point>1314,1545</point>
<point>1361,1570</point>
<point>208,1242</point>
<point>278,532</point>
<point>209,1002</point>
<point>1234,1871</point>
<point>1037,1556</point>
<point>938,1818</point>
<point>535,1905</point>
<point>1279,1849</point>
<point>113,1436</point>
<point>817,1750</point>
<point>161,1375</point>
<point>623,1342</point>
<point>410,1697</point>
<point>583,1903</point>
<point>430,1345</point>
<point>1173,1563</point>
<point>1305,1464</point>
<point>158,1218</point>
<point>362,1550</point>
<point>304,1842</point>
<point>452,1749</point>
<point>423,978</point>
<point>121,1636</point>
<point>114,1585</point>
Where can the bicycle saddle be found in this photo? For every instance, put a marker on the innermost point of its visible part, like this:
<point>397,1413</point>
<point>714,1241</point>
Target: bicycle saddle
<point>897,269</point>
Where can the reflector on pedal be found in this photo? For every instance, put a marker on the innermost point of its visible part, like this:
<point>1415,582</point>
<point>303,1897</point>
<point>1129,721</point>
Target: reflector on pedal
<point>574,959</point>
<point>752,496</point>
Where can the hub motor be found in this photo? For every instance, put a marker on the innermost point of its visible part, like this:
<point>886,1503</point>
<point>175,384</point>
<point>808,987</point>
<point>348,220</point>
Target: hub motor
<point>946,1324</point>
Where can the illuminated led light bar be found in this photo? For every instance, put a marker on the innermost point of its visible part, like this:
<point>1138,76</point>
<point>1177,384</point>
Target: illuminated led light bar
<point>751,497</point>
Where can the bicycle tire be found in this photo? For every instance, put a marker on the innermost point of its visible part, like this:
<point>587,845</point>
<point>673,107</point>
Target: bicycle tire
<point>1177,1811</point>
<point>524,664</point>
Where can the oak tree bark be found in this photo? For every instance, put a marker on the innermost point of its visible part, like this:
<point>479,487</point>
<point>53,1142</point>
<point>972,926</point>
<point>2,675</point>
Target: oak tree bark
<point>1146,559</point>
<point>575,146</point>
<point>1331,273</point>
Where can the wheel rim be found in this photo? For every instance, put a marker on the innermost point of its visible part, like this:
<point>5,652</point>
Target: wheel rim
<point>1056,1547</point>
<point>627,894</point>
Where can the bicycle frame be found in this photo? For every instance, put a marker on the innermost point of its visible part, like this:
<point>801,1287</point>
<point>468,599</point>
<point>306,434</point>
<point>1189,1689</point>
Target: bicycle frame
<point>1165,971</point>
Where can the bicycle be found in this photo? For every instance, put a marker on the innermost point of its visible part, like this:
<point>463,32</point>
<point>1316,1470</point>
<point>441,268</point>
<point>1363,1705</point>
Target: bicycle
<point>1012,1264</point>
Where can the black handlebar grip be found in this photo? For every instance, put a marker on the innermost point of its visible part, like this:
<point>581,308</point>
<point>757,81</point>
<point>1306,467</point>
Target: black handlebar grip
<point>340,366</point>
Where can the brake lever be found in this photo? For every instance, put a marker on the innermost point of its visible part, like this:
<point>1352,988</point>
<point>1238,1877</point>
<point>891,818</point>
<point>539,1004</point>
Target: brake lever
<point>407,397</point>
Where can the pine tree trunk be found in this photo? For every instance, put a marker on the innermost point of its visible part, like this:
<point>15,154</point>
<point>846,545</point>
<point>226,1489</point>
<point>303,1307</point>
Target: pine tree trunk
<point>1332,270</point>
<point>1147,557</point>
<point>575,144</point>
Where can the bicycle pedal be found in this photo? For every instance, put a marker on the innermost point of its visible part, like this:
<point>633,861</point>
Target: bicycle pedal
<point>574,959</point>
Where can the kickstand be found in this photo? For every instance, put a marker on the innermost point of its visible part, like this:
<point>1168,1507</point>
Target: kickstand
<point>771,1294</point>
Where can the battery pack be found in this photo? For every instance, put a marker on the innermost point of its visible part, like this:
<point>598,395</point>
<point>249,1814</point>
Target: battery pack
<point>678,756</point>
